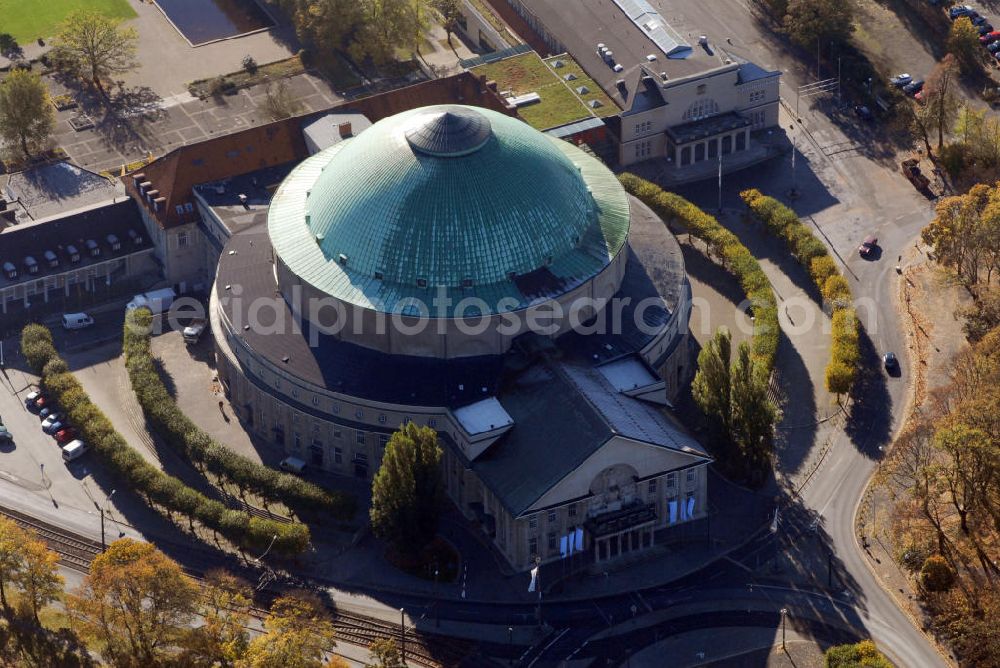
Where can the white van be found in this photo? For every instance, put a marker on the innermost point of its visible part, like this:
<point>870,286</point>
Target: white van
<point>293,465</point>
<point>74,450</point>
<point>76,320</point>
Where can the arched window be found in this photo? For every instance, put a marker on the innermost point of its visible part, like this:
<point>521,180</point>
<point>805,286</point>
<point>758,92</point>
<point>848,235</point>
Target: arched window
<point>702,108</point>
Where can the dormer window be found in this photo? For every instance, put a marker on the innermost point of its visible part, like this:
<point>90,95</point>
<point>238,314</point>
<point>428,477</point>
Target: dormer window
<point>51,258</point>
<point>135,237</point>
<point>93,248</point>
<point>421,282</point>
<point>74,254</point>
<point>10,270</point>
<point>31,265</point>
<point>113,241</point>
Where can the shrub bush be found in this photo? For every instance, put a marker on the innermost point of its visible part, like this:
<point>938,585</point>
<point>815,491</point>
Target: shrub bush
<point>936,574</point>
<point>726,247</point>
<point>158,487</point>
<point>183,435</point>
<point>812,254</point>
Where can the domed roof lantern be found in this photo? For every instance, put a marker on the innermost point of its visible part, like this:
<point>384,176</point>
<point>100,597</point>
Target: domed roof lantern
<point>454,132</point>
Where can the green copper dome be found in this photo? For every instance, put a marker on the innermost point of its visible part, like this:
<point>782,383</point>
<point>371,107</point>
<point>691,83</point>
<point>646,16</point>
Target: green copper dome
<point>453,198</point>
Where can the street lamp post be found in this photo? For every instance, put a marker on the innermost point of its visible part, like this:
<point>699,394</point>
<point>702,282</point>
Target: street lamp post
<point>784,612</point>
<point>510,645</point>
<point>538,565</point>
<point>100,510</point>
<point>794,192</point>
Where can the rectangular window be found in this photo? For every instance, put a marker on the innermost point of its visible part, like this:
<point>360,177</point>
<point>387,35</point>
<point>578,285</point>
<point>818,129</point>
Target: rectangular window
<point>383,439</point>
<point>651,486</point>
<point>671,479</point>
<point>359,437</point>
<point>552,541</point>
<point>183,239</point>
<point>571,510</point>
<point>360,457</point>
<point>552,517</point>
<point>533,522</point>
<point>691,475</point>
<point>533,546</point>
<point>338,455</point>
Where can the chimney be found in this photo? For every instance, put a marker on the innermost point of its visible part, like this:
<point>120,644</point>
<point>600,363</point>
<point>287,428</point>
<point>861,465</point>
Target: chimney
<point>345,130</point>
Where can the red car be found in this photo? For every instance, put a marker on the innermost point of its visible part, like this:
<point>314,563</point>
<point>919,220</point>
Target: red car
<point>66,435</point>
<point>868,246</point>
<point>990,37</point>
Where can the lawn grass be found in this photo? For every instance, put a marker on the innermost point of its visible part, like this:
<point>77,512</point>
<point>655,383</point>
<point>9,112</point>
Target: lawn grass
<point>27,20</point>
<point>560,104</point>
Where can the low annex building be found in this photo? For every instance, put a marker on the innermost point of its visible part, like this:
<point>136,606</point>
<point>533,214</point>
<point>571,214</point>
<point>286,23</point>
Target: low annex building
<point>453,267</point>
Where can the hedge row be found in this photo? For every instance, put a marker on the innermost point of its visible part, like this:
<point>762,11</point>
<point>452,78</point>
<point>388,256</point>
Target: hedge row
<point>184,436</point>
<point>734,256</point>
<point>812,254</point>
<point>237,526</point>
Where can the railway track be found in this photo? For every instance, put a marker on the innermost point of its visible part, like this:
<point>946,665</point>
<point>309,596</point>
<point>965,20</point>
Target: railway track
<point>432,651</point>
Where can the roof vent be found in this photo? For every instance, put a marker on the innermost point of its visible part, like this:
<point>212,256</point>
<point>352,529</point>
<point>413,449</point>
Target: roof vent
<point>557,63</point>
<point>421,282</point>
<point>342,259</point>
<point>582,90</point>
<point>594,104</point>
<point>378,275</point>
<point>569,77</point>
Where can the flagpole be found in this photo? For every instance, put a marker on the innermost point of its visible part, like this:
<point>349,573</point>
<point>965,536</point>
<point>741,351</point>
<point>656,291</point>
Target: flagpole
<point>538,585</point>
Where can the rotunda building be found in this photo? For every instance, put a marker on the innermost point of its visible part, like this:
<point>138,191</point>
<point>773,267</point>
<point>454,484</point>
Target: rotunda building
<point>454,267</point>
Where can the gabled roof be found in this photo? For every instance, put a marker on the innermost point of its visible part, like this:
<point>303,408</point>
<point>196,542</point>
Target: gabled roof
<point>564,413</point>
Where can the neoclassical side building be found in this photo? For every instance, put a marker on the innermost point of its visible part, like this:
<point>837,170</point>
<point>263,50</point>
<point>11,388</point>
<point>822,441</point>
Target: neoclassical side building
<point>453,267</point>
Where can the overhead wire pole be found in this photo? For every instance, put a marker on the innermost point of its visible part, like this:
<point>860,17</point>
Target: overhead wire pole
<point>815,88</point>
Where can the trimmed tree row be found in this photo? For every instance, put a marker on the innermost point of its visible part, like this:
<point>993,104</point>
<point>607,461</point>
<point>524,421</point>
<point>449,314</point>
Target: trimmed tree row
<point>185,437</point>
<point>812,254</point>
<point>733,255</point>
<point>237,526</point>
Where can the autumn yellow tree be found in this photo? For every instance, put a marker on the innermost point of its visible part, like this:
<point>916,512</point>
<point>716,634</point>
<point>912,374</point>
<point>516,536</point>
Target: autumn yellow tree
<point>298,634</point>
<point>222,638</point>
<point>38,579</point>
<point>137,602</point>
<point>12,537</point>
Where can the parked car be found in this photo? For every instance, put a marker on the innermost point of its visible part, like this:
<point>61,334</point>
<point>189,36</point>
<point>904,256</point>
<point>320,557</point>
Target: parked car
<point>868,246</point>
<point>900,80</point>
<point>74,450</point>
<point>76,321</point>
<point>890,361</point>
<point>66,435</point>
<point>919,96</point>
<point>960,10</point>
<point>993,46</point>
<point>50,420</point>
<point>55,427</point>
<point>39,404</point>
<point>864,113</point>
<point>30,397</point>
<point>978,20</point>
<point>5,435</point>
<point>913,87</point>
<point>985,29</point>
<point>989,37</point>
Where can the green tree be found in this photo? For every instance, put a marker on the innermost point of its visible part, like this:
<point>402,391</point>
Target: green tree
<point>451,15</point>
<point>812,22</point>
<point>39,578</point>
<point>298,633</point>
<point>711,384</point>
<point>222,639</point>
<point>95,47</point>
<point>963,43</point>
<point>408,492</point>
<point>26,115</point>
<point>136,601</point>
<point>753,413</point>
<point>388,26</point>
<point>384,653</point>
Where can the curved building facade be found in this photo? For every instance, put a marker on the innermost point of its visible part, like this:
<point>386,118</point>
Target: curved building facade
<point>453,267</point>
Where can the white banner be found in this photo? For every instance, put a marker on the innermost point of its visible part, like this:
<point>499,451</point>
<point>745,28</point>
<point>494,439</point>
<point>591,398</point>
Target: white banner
<point>534,579</point>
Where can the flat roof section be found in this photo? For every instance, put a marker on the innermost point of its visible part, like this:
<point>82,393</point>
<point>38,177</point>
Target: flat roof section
<point>593,22</point>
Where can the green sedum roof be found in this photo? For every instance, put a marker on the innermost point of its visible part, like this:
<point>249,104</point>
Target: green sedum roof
<point>451,198</point>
